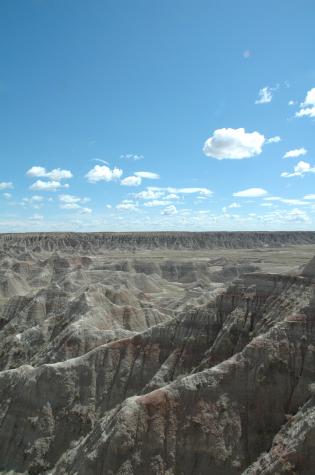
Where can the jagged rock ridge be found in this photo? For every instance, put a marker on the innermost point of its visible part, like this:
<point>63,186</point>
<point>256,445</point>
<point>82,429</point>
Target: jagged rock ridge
<point>160,240</point>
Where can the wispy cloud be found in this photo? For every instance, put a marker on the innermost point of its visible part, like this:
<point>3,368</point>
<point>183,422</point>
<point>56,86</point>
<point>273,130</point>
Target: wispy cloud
<point>132,156</point>
<point>297,152</point>
<point>265,95</point>
<point>149,175</point>
<point>251,193</point>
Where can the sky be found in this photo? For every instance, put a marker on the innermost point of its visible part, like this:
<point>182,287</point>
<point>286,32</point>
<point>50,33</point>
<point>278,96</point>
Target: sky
<point>143,115</point>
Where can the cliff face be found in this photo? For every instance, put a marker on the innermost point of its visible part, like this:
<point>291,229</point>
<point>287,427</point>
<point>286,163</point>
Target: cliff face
<point>139,367</point>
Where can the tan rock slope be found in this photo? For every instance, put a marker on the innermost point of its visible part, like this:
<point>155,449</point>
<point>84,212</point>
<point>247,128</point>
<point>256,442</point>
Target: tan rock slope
<point>137,363</point>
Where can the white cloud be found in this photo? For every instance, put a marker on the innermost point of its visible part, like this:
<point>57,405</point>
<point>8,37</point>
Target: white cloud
<point>7,196</point>
<point>6,185</point>
<point>251,193</point>
<point>172,196</point>
<point>40,185</point>
<point>264,95</point>
<point>149,194</point>
<point>171,193</point>
<point>35,201</point>
<point>309,197</point>
<point>149,175</point>
<point>275,139</point>
<point>36,217</point>
<point>71,202</point>
<point>70,206</point>
<point>85,210</point>
<point>127,205</point>
<point>192,190</point>
<point>131,181</point>
<point>299,170</point>
<point>234,205</point>
<point>287,201</point>
<point>56,175</point>
<point>132,156</point>
<point>103,173</point>
<point>291,103</point>
<point>154,203</point>
<point>297,152</point>
<point>72,199</point>
<point>297,215</point>
<point>186,190</point>
<point>233,144</point>
<point>307,108</point>
<point>170,210</point>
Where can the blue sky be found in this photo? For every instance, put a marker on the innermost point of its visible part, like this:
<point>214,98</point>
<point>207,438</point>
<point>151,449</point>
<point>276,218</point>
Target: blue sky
<point>145,115</point>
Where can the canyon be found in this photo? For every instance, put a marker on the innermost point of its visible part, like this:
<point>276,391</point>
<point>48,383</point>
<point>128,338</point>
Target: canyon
<point>157,353</point>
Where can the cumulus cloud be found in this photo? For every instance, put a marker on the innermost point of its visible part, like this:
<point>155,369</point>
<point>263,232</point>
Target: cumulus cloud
<point>6,185</point>
<point>103,173</point>
<point>299,170</point>
<point>72,199</point>
<point>297,152</point>
<point>131,181</point>
<point>164,194</point>
<point>56,175</point>
<point>307,108</point>
<point>149,175</point>
<point>265,95</point>
<point>170,210</point>
<point>251,193</point>
<point>127,205</point>
<point>233,144</point>
<point>72,202</point>
<point>40,185</point>
<point>149,194</point>
<point>275,139</point>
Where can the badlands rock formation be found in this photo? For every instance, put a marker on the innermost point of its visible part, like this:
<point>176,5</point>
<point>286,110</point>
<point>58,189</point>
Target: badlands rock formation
<point>157,354</point>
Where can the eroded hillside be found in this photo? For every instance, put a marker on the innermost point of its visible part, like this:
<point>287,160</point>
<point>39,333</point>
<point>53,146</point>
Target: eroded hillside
<point>157,358</point>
